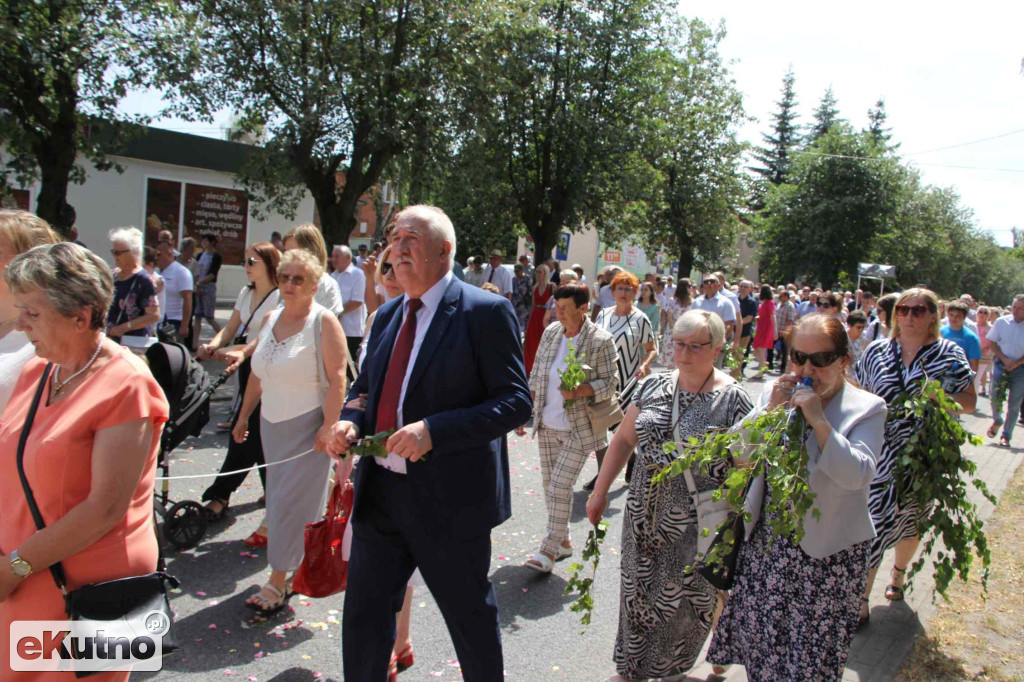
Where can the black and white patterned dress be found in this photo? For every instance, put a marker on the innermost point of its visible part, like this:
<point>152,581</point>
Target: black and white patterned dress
<point>665,613</point>
<point>880,371</point>
<point>631,332</point>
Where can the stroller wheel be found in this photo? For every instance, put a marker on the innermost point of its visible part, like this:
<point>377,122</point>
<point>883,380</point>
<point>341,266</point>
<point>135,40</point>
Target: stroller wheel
<point>185,524</point>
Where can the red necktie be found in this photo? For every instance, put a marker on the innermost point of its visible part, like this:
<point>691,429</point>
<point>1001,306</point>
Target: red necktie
<point>387,406</point>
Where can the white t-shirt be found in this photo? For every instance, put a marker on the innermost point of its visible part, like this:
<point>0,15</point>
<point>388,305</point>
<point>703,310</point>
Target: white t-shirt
<point>1009,335</point>
<point>242,304</point>
<point>501,278</point>
<point>328,295</point>
<point>177,279</point>
<point>15,351</point>
<point>352,284</point>
<point>553,416</point>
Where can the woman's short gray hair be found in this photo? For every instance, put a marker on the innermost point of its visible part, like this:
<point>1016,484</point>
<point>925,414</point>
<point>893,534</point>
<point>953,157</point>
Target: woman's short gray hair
<point>305,260</point>
<point>692,321</point>
<point>127,235</point>
<point>72,277</point>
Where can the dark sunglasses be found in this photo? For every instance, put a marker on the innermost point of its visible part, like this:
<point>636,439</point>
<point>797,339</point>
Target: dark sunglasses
<point>710,281</point>
<point>915,310</point>
<point>824,305</point>
<point>252,260</point>
<point>820,359</point>
<point>385,268</point>
<point>294,280</point>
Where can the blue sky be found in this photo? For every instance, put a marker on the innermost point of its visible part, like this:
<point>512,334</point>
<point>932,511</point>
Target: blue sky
<point>949,73</point>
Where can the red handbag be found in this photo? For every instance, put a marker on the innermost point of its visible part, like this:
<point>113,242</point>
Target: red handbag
<point>323,571</point>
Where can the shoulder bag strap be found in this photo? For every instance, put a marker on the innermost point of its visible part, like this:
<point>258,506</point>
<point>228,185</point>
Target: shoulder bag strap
<point>317,327</point>
<point>254,311</point>
<point>57,570</point>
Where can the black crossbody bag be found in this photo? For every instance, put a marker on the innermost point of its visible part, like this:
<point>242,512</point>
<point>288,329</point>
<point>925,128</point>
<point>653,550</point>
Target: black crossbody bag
<point>126,599</point>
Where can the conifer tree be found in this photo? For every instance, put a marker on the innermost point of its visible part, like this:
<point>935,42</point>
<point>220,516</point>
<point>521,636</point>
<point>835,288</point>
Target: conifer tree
<point>877,129</point>
<point>826,115</point>
<point>774,156</point>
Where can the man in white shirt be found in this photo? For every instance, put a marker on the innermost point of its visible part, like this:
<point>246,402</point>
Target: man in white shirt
<point>177,290</point>
<point>724,290</point>
<point>713,302</point>
<point>497,274</point>
<point>670,287</point>
<point>361,256</point>
<point>1007,338</point>
<point>352,284</point>
<point>452,383</point>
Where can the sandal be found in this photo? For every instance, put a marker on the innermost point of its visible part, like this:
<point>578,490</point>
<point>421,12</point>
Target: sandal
<point>563,552</point>
<point>399,663</point>
<point>992,431</point>
<point>256,539</point>
<point>892,592</point>
<point>1004,442</point>
<point>541,563</point>
<point>216,516</point>
<point>267,606</point>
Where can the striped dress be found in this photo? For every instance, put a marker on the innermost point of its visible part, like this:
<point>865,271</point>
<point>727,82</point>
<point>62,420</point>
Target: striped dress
<point>630,332</point>
<point>882,372</point>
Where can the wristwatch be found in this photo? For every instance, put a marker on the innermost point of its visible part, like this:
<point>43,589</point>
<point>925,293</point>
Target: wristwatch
<point>19,566</point>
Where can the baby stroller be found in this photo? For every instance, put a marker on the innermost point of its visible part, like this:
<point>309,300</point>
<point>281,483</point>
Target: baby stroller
<point>188,388</point>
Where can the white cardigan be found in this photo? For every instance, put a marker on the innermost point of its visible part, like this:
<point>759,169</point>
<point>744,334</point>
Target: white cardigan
<point>840,473</point>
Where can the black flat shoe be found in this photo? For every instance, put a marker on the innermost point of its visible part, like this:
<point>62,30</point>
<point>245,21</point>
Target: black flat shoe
<point>589,485</point>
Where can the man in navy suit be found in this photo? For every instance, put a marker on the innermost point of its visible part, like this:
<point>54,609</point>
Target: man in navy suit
<point>445,369</point>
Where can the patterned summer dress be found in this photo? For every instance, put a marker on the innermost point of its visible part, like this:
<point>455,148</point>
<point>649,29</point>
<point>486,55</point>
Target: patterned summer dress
<point>665,613</point>
<point>880,370</point>
<point>631,332</point>
<point>790,616</point>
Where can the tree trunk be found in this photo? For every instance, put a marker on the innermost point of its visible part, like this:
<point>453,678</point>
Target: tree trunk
<point>685,254</point>
<point>55,156</point>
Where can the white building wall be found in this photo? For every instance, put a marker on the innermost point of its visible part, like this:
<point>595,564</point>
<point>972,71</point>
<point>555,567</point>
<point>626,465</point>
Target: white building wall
<point>110,199</point>
<point>583,249</point>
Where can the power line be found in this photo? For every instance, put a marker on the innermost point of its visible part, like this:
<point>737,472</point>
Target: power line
<point>967,144</point>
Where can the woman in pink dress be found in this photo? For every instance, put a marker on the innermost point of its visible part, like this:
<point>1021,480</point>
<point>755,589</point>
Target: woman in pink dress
<point>535,329</point>
<point>983,378</point>
<point>764,337</point>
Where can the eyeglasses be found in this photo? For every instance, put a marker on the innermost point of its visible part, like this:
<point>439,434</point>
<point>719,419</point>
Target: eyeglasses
<point>692,347</point>
<point>624,290</point>
<point>118,252</point>
<point>252,260</point>
<point>824,305</point>
<point>710,281</point>
<point>386,268</point>
<point>820,359</point>
<point>915,310</point>
<point>294,280</point>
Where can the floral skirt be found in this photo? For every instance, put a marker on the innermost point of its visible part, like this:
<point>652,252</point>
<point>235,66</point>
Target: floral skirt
<point>790,616</point>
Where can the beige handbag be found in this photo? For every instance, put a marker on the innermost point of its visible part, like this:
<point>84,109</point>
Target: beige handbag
<point>604,415</point>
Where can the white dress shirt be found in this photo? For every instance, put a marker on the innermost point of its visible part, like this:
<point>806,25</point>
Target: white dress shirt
<point>352,284</point>
<point>502,278</point>
<point>431,301</point>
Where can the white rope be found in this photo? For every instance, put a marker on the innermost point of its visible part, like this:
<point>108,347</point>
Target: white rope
<point>240,471</point>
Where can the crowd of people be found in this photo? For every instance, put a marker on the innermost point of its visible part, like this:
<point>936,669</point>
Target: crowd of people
<point>333,346</point>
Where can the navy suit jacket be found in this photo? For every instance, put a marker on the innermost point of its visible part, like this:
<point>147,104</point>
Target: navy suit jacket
<point>469,384</point>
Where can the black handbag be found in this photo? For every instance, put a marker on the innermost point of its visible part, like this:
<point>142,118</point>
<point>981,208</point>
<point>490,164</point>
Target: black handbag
<point>723,575</point>
<point>129,600</point>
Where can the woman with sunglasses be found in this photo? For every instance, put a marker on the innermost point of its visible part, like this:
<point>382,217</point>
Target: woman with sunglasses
<point>831,304</point>
<point>135,306</point>
<point>304,376</point>
<point>889,368</point>
<point>255,300</point>
<point>793,611</point>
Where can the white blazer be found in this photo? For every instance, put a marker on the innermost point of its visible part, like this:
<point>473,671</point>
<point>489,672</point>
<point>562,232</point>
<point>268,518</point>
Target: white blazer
<point>840,473</point>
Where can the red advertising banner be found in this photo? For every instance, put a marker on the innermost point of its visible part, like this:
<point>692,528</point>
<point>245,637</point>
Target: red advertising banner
<point>163,202</point>
<point>219,211</point>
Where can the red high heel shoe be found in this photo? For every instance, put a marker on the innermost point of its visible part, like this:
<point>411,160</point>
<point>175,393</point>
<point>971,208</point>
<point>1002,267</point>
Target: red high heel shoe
<point>405,659</point>
<point>256,540</point>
